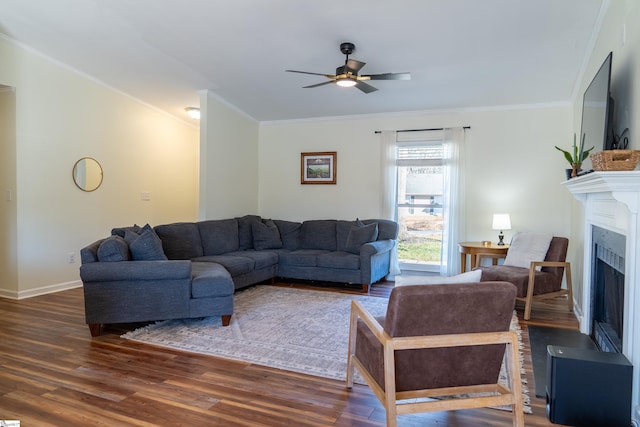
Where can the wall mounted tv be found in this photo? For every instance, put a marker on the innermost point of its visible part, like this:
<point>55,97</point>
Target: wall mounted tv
<point>597,110</point>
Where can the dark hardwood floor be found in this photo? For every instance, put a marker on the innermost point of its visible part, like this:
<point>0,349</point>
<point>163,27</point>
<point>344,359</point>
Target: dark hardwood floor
<point>52,373</point>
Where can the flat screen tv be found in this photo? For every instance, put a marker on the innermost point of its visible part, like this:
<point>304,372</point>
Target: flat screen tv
<point>597,111</point>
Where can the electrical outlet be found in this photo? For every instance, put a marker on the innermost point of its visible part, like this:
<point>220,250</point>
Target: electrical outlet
<point>72,257</point>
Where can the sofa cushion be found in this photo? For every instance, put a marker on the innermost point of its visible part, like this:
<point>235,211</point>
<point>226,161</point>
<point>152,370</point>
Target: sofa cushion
<point>318,234</point>
<point>245,234</point>
<point>387,229</point>
<point>147,247</point>
<point>265,235</point>
<point>236,265</point>
<point>262,259</point>
<point>219,236</point>
<point>289,233</point>
<point>339,260</point>
<point>209,279</point>
<point>342,233</point>
<point>361,234</point>
<point>180,240</point>
<point>119,231</point>
<point>301,257</point>
<point>113,249</point>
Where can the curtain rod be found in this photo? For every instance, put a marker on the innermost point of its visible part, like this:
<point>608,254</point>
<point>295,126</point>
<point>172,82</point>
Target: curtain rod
<point>422,130</point>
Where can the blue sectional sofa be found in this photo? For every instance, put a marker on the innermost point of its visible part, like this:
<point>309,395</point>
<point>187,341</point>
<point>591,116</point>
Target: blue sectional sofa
<point>191,269</point>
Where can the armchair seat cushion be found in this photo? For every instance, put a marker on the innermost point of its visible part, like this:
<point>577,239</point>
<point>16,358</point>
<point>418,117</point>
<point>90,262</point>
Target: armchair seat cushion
<point>545,281</point>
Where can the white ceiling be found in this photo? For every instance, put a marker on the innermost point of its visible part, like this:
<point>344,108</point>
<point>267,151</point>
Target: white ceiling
<point>461,53</point>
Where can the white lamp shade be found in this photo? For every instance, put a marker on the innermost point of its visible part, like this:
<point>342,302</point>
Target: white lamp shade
<point>501,222</point>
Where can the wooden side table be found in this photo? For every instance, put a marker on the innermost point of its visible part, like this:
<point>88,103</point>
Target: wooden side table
<point>478,250</point>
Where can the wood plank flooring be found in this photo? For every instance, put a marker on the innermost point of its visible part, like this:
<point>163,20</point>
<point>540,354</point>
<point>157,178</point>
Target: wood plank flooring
<point>52,373</point>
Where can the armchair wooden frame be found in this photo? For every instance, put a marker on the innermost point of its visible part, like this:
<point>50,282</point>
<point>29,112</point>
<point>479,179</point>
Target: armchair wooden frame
<point>528,299</point>
<point>398,403</point>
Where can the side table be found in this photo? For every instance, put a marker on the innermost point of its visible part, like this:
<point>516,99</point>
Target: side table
<point>478,250</point>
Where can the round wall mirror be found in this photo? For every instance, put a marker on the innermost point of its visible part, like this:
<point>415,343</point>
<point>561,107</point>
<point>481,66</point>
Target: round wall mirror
<point>87,174</point>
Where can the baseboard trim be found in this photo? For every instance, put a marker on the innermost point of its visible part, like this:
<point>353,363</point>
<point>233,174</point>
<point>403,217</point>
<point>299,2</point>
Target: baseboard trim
<point>49,289</point>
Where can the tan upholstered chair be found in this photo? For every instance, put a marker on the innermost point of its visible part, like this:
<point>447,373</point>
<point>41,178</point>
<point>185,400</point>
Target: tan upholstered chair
<point>533,284</point>
<point>436,341</point>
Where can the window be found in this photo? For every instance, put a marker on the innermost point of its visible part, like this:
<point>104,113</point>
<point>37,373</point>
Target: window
<point>419,202</point>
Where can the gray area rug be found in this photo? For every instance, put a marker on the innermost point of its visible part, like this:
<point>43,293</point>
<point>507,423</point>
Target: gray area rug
<point>297,330</point>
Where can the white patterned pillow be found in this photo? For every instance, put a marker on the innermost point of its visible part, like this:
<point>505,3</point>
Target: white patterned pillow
<point>527,247</point>
<point>468,277</point>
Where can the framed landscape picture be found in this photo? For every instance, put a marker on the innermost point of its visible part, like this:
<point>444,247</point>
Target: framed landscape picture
<point>318,168</point>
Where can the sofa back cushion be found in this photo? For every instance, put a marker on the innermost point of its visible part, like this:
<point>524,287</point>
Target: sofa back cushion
<point>318,234</point>
<point>289,233</point>
<point>245,233</point>
<point>266,235</point>
<point>387,229</point>
<point>342,233</point>
<point>180,240</point>
<point>219,236</point>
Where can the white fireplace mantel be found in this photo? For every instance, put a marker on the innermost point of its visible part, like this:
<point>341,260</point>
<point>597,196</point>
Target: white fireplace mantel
<point>624,186</point>
<point>612,200</point>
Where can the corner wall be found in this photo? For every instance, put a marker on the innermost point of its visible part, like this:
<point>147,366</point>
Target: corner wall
<point>228,160</point>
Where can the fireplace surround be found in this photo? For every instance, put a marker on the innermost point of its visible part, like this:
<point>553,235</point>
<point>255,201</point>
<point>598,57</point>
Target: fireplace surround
<point>611,202</point>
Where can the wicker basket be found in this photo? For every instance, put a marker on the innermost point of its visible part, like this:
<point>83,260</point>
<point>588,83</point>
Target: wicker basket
<point>615,160</point>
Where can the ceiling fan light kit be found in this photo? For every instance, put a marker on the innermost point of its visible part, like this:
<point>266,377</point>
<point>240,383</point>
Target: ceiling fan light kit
<point>347,75</point>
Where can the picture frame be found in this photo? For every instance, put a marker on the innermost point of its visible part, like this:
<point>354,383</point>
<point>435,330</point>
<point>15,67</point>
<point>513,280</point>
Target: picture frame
<point>318,167</point>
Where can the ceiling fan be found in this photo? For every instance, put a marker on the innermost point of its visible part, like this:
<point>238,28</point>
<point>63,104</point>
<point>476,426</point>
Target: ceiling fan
<point>347,74</point>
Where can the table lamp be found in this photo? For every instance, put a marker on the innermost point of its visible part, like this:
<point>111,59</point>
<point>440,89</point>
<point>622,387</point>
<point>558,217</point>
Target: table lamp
<point>501,222</point>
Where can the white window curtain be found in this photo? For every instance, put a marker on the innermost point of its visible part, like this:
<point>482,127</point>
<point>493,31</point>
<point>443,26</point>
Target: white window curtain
<point>388,200</point>
<point>453,212</point>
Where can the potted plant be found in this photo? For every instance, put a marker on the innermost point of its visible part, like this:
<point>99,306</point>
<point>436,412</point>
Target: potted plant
<point>576,156</point>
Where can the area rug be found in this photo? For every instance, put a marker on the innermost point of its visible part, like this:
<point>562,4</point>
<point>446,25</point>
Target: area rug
<point>297,330</point>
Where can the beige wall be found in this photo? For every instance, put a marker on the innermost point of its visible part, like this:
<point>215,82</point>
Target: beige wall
<point>512,166</point>
<point>8,210</point>
<point>62,116</point>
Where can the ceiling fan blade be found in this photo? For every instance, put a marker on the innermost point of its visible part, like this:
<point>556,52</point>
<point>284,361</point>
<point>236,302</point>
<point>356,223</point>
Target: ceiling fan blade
<point>319,84</point>
<point>329,76</point>
<point>390,76</point>
<point>354,65</point>
<point>366,88</point>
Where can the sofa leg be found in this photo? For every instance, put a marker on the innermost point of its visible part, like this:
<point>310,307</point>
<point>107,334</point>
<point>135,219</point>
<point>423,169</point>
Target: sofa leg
<point>94,328</point>
<point>226,319</point>
<point>365,288</point>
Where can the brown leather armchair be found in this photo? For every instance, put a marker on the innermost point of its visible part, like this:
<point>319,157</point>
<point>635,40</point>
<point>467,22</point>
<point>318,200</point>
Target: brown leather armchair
<point>533,284</point>
<point>437,341</point>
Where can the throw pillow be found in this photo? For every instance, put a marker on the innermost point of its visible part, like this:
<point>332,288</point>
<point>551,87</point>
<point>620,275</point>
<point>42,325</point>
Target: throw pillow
<point>527,247</point>
<point>113,249</point>
<point>120,231</point>
<point>265,235</point>
<point>468,277</point>
<point>147,247</point>
<point>361,234</point>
